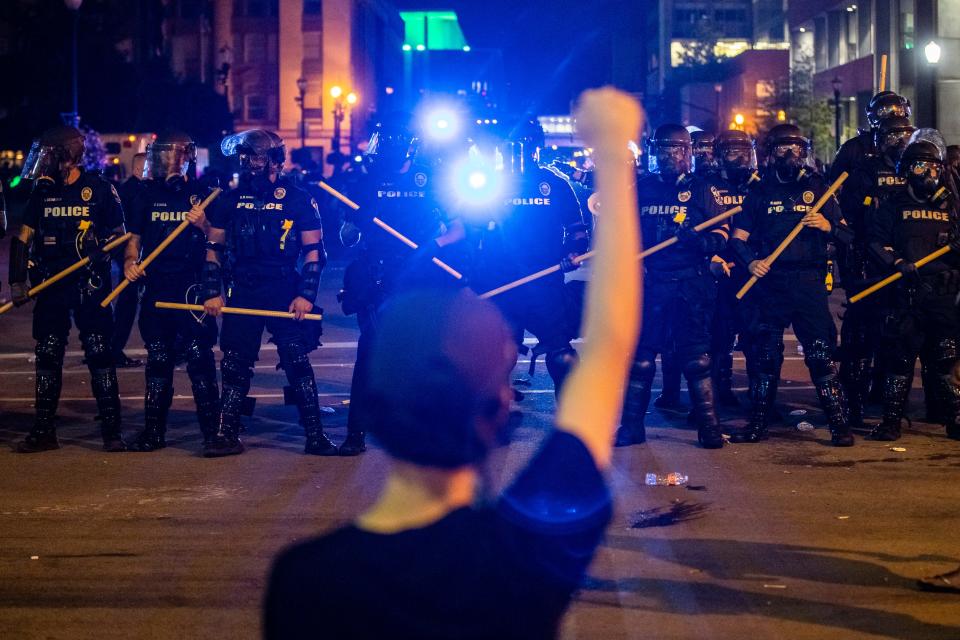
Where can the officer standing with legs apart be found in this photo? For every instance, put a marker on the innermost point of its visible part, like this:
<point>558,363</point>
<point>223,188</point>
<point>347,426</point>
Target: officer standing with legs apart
<point>398,188</point>
<point>921,315</point>
<point>793,290</point>
<point>267,225</point>
<point>737,159</point>
<point>679,293</point>
<point>874,181</point>
<point>70,214</point>
<point>168,198</point>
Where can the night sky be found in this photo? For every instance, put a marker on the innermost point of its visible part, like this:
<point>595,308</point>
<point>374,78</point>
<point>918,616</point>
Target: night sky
<point>552,49</point>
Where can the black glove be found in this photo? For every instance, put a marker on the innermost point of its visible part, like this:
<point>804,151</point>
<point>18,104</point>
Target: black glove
<point>688,235</point>
<point>567,264</point>
<point>18,293</point>
<point>92,249</point>
<point>911,277</point>
<point>954,243</point>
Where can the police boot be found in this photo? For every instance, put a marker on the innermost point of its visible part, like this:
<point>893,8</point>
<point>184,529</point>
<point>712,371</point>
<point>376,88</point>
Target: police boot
<point>49,379</point>
<point>705,415</point>
<point>669,398</point>
<point>856,375</point>
<point>637,399</point>
<point>158,395</point>
<point>225,441</point>
<point>761,395</point>
<point>201,369</point>
<point>106,391</point>
<point>896,389</point>
<point>723,381</point>
<point>833,402</point>
<point>949,392</point>
<point>296,364</point>
<point>559,364</point>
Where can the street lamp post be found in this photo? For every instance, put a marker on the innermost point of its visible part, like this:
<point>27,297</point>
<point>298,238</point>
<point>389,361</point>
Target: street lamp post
<point>300,99</point>
<point>837,83</point>
<point>932,53</point>
<point>352,101</point>
<point>338,113</point>
<point>718,89</point>
<point>73,118</point>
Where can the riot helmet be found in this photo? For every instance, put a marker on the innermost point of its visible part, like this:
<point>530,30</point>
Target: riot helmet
<point>169,156</point>
<point>953,157</point>
<point>670,151</point>
<point>922,162</point>
<point>886,104</point>
<point>704,158</point>
<point>736,155</point>
<point>891,135</point>
<point>521,149</point>
<point>54,154</point>
<point>391,144</point>
<point>787,151</point>
<point>261,152</point>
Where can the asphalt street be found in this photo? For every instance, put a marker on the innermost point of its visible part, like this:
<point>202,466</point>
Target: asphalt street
<point>786,539</point>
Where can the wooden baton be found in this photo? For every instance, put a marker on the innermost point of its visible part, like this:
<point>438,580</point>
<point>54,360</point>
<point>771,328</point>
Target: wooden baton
<point>883,73</point>
<point>794,233</point>
<point>160,247</point>
<point>589,254</point>
<point>896,276</point>
<point>383,225</point>
<point>76,266</point>
<point>240,311</point>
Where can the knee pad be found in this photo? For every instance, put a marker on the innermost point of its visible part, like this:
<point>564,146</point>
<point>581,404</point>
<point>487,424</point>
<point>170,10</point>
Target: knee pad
<point>697,367</point>
<point>293,358</point>
<point>644,367</point>
<point>819,360</point>
<point>97,349</point>
<point>768,350</point>
<point>561,361</point>
<point>946,356</point>
<point>49,351</point>
<point>235,368</point>
<point>200,359</point>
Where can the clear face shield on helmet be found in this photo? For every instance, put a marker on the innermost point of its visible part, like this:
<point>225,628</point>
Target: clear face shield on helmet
<point>165,160</point>
<point>519,156</point>
<point>737,162</point>
<point>703,158</point>
<point>389,150</point>
<point>669,159</point>
<point>790,157</point>
<point>892,143</point>
<point>260,152</point>
<point>49,161</point>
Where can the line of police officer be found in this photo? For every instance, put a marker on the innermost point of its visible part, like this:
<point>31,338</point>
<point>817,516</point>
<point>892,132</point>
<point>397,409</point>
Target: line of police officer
<point>262,243</point>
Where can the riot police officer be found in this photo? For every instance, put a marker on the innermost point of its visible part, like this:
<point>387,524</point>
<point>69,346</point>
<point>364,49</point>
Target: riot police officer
<point>268,226</point>
<point>399,188</point>
<point>538,224</point>
<point>862,146</point>
<point>872,181</point>
<point>921,312</point>
<point>792,291</point>
<point>71,213</point>
<point>168,197</point>
<point>737,160</point>
<point>679,292</point>
<point>705,161</point>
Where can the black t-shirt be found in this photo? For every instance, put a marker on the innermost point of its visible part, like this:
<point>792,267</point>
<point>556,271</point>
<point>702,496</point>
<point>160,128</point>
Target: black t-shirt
<point>156,212</point>
<point>507,571</point>
<point>66,217</point>
<point>664,206</point>
<point>773,209</point>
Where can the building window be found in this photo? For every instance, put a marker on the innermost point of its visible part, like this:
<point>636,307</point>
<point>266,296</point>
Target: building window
<point>256,108</point>
<point>312,45</point>
<point>906,24</point>
<point>255,48</point>
<point>256,8</point>
<point>313,7</point>
<point>852,32</point>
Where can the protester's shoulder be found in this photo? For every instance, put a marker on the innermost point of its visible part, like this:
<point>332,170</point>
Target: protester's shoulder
<point>319,551</point>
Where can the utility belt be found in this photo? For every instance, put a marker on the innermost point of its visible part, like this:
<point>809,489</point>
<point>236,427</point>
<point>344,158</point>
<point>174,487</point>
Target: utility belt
<point>263,274</point>
<point>660,276</point>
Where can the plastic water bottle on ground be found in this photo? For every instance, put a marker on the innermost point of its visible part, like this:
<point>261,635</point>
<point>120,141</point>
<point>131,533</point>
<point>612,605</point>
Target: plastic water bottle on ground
<point>675,479</point>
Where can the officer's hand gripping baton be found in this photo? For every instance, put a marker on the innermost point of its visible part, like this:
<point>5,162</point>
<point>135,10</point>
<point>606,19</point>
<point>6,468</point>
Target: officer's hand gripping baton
<point>76,266</point>
<point>383,225</point>
<point>160,247</point>
<point>896,276</point>
<point>794,233</point>
<point>240,311</point>
<point>706,224</point>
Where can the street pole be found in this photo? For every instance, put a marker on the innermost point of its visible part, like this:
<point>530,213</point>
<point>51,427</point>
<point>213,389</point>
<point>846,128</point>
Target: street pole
<point>74,116</point>
<point>301,100</point>
<point>836,110</point>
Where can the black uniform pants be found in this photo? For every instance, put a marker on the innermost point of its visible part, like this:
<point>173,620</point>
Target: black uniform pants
<point>73,301</point>
<point>160,329</point>
<point>928,325</point>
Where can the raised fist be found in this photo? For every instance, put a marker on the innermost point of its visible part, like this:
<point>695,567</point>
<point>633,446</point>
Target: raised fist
<point>607,119</point>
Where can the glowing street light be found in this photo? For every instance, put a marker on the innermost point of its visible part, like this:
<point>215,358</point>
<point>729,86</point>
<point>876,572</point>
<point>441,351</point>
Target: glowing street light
<point>738,119</point>
<point>932,52</point>
<point>351,98</point>
<point>335,92</point>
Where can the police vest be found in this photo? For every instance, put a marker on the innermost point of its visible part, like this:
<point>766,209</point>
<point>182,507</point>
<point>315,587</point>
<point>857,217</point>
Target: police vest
<point>262,227</point>
<point>780,208</point>
<point>165,208</point>
<point>406,203</point>
<point>663,207</point>
<point>66,221</point>
<point>920,229</point>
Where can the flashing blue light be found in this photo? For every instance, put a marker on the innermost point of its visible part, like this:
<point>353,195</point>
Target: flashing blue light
<point>477,187</point>
<point>477,180</point>
<point>441,124</point>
